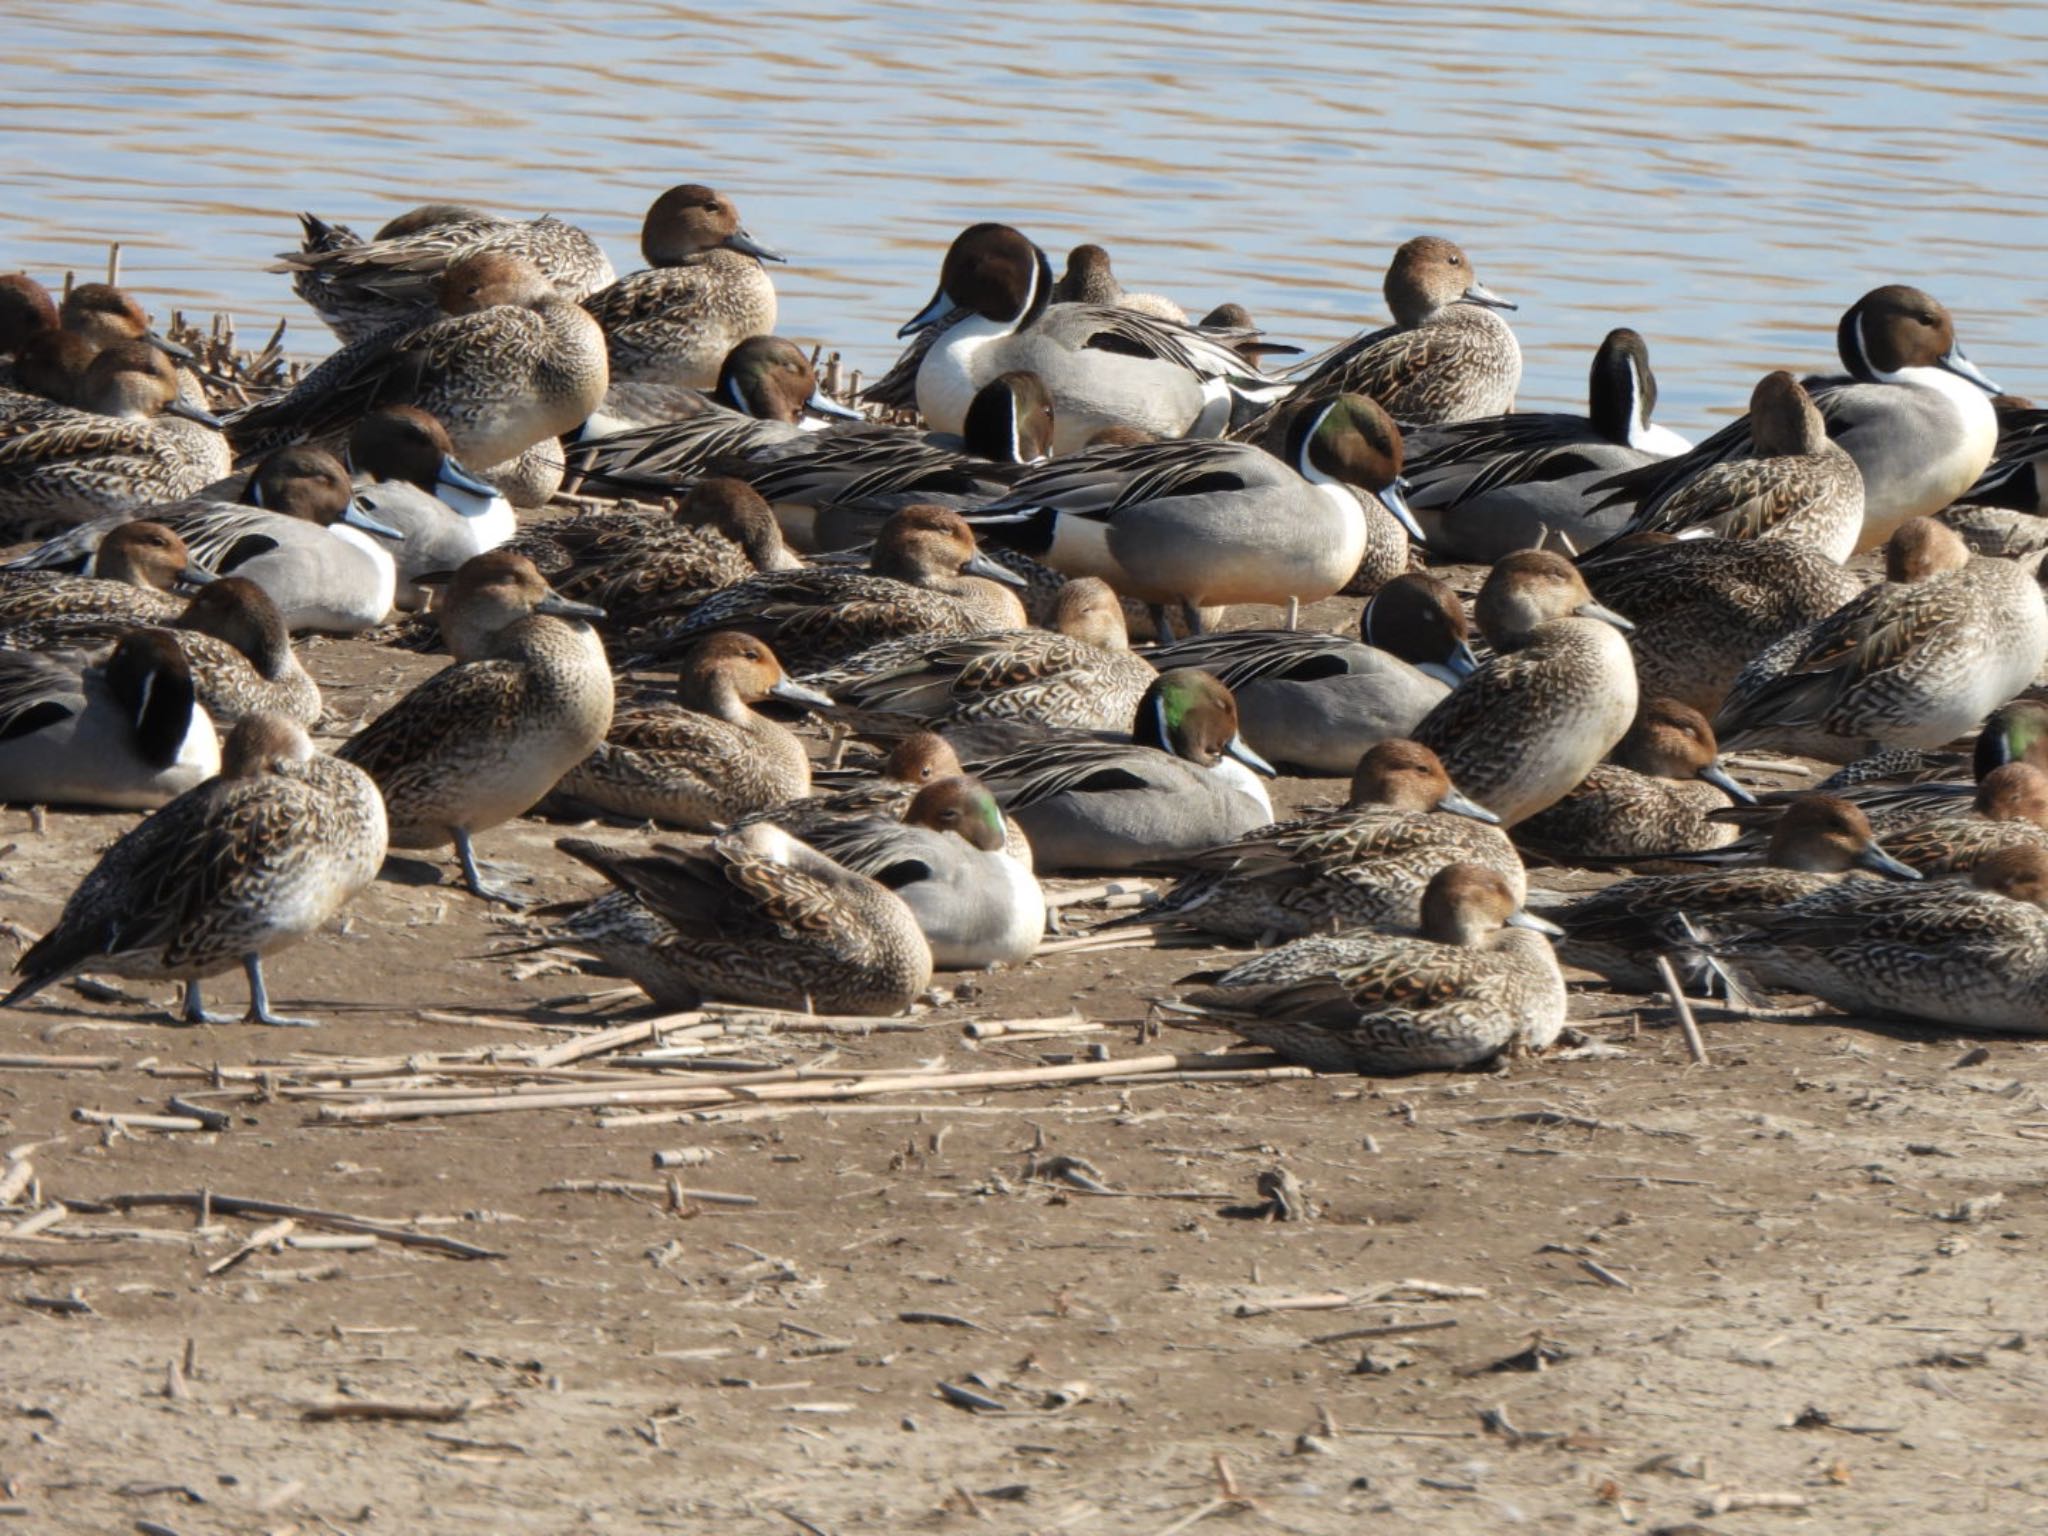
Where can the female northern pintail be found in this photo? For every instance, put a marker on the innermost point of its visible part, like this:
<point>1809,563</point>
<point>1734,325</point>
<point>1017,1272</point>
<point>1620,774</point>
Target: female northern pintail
<point>705,290</point>
<point>1558,693</point>
<point>1090,279</point>
<point>530,697</point>
<point>1799,487</point>
<point>134,442</point>
<point>1195,523</point>
<point>1104,366</point>
<point>1487,486</point>
<point>1912,663</point>
<point>1313,702</point>
<point>1973,953</point>
<point>1703,608</point>
<point>1184,781</point>
<point>1479,981</point>
<point>707,759</point>
<point>925,577</point>
<point>511,363</point>
<point>126,731</point>
<point>1080,675</point>
<point>1913,412</point>
<point>1364,864</point>
<point>129,574</point>
<point>947,858</point>
<point>1447,357</point>
<point>758,917</point>
<point>1622,929</point>
<point>363,288</point>
<point>1655,795</point>
<point>231,871</point>
<point>409,479</point>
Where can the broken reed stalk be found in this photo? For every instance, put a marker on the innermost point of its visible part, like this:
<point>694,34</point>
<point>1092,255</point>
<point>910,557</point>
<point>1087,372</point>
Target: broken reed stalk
<point>236,1205</point>
<point>1686,1021</point>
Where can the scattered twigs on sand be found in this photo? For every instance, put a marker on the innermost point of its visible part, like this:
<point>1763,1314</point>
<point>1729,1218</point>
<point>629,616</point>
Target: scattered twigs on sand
<point>237,1205</point>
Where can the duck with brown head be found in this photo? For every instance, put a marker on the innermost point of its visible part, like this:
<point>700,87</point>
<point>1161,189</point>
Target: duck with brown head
<point>132,573</point>
<point>409,478</point>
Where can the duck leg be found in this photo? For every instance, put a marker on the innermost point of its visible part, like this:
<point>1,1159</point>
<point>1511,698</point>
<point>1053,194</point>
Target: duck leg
<point>1293,614</point>
<point>473,878</point>
<point>1162,623</point>
<point>259,1000</point>
<point>194,1010</point>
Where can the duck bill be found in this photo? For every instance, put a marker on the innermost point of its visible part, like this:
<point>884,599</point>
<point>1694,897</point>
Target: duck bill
<point>1959,365</point>
<point>358,516</point>
<point>931,314</point>
<point>196,575</point>
<point>1461,662</point>
<point>453,475</point>
<point>981,565</point>
<point>739,240</point>
<point>168,347</point>
<point>1460,805</point>
<point>822,404</point>
<point>1535,924</point>
<point>1877,861</point>
<point>1236,747</point>
<point>191,412</point>
<point>559,607</point>
<point>1605,615</point>
<point>1724,781</point>
<point>792,692</point>
<point>1486,298</point>
<point>1391,498</point>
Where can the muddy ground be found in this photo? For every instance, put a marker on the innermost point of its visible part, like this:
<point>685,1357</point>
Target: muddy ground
<point>1797,1289</point>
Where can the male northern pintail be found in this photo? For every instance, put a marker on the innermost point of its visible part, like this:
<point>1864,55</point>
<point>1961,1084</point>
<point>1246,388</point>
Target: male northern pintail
<point>1558,693</point>
<point>758,917</point>
<point>131,442</point>
<point>1655,795</point>
<point>511,363</point>
<point>1912,663</point>
<point>1081,674</point>
<point>706,759</point>
<point>1799,486</point>
<point>409,479</point>
<point>1973,953</point>
<point>131,573</point>
<point>231,871</point>
<point>125,731</point>
<point>705,290</point>
<point>947,858</point>
<point>1480,980</point>
<point>1184,781</point>
<point>529,697</point>
<point>1197,524</point>
<point>1090,279</point>
<point>2010,498</point>
<point>1104,366</point>
<point>1703,608</point>
<point>1447,357</point>
<point>1621,930</point>
<point>926,576</point>
<point>1364,864</point>
<point>1913,412</point>
<point>1487,486</point>
<point>1313,702</point>
<point>362,288</point>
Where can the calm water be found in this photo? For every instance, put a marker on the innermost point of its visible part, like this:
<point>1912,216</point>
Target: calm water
<point>1724,177</point>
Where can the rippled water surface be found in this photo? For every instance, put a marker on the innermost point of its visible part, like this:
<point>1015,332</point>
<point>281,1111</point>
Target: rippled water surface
<point>1725,177</point>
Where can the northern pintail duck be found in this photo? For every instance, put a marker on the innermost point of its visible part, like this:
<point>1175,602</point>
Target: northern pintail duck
<point>1973,953</point>
<point>409,479</point>
<point>132,442</point>
<point>1913,412</point>
<point>1447,357</point>
<point>363,288</point>
<point>1912,663</point>
<point>1313,702</point>
<point>2010,498</point>
<point>105,316</point>
<point>1185,780</point>
<point>707,759</point>
<point>1555,697</point>
<point>1704,608</point>
<point>1080,675</point>
<point>1105,366</point>
<point>705,290</point>
<point>1090,279</point>
<point>947,858</point>
<point>232,870</point>
<point>1798,486</point>
<point>1364,864</point>
<point>511,363</point>
<point>1197,524</point>
<point>125,731</point>
<point>1620,930</point>
<point>926,576</point>
<point>130,574</point>
<point>1487,486</point>
<point>530,697</point>
<point>1480,980</point>
<point>758,917</point>
<point>1947,833</point>
<point>1656,794</point>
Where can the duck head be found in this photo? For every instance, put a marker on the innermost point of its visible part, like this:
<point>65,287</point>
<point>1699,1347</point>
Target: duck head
<point>146,554</point>
<point>1407,776</point>
<point>1191,714</point>
<point>992,271</point>
<point>1421,620</point>
<point>688,220</point>
<point>1467,904</point>
<point>1825,834</point>
<point>1351,441</point>
<point>1897,327</point>
<point>962,805</point>
<point>1672,740</point>
<point>1531,588</point>
<point>1428,273</point>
